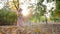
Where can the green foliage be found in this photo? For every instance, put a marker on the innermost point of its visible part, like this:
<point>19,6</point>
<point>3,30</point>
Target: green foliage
<point>57,0</point>
<point>36,17</point>
<point>57,19</point>
<point>7,17</point>
<point>58,5</point>
<point>16,4</point>
<point>50,0</point>
<point>55,15</point>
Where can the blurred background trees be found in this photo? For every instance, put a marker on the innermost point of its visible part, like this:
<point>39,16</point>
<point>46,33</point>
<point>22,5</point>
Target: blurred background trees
<point>7,17</point>
<point>8,14</point>
<point>56,12</point>
<point>40,10</point>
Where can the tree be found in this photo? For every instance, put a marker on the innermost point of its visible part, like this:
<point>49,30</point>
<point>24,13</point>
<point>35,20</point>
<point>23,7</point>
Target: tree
<point>7,17</point>
<point>39,11</point>
<point>14,6</point>
<point>56,12</point>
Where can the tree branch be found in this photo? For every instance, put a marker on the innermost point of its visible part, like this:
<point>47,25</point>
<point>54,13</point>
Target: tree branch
<point>17,7</point>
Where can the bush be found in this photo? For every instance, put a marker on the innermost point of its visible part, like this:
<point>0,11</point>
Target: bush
<point>7,17</point>
<point>57,19</point>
